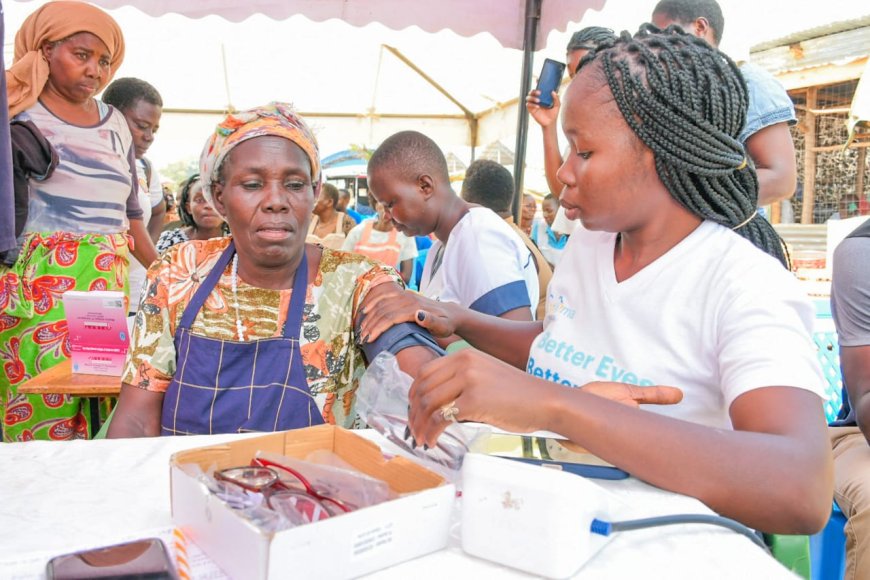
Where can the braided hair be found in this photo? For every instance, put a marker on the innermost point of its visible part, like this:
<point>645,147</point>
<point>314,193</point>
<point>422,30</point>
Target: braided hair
<point>588,38</point>
<point>687,102</point>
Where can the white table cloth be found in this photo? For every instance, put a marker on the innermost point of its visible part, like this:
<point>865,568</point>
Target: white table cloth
<point>62,497</point>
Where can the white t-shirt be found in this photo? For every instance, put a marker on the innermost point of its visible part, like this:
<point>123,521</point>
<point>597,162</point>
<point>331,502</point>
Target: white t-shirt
<point>715,316</point>
<point>485,266</point>
<point>542,239</point>
<point>408,249</point>
<point>563,225</point>
<point>150,195</point>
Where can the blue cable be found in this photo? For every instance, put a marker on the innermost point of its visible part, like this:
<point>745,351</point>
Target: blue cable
<point>603,528</point>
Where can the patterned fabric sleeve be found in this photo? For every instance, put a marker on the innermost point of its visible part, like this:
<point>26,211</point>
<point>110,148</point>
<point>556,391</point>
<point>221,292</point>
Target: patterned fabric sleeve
<point>151,359</point>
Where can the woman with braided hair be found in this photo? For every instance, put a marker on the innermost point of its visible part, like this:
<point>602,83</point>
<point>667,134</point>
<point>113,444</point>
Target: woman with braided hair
<point>675,281</point>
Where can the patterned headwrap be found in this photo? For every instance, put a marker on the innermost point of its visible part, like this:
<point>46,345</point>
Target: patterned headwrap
<point>277,119</point>
<point>54,21</point>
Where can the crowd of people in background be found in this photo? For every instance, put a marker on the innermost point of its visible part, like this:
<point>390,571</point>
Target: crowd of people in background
<point>648,275</point>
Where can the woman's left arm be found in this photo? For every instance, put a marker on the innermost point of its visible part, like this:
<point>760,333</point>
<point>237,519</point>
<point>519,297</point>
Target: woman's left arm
<point>143,246</point>
<point>772,472</point>
<point>137,413</point>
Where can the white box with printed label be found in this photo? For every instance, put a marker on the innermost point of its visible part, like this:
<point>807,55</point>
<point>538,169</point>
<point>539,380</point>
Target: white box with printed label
<point>345,546</point>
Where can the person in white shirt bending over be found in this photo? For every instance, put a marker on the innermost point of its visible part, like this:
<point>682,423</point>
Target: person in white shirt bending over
<point>477,260</point>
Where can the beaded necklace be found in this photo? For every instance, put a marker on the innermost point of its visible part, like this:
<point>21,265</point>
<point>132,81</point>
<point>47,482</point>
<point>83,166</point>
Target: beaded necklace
<point>234,280</point>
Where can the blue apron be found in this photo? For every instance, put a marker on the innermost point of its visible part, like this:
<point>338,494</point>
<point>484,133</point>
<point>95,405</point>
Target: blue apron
<point>225,386</point>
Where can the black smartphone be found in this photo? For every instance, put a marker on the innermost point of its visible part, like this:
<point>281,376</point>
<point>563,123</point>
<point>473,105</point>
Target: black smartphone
<point>139,560</point>
<point>550,453</point>
<point>549,81</point>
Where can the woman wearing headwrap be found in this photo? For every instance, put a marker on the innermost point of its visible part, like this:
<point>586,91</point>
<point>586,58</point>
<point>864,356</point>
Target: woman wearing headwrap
<point>255,332</point>
<point>78,212</point>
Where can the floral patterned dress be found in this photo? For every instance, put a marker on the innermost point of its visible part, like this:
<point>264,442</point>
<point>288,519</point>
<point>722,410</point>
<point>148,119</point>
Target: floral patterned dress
<point>75,239</point>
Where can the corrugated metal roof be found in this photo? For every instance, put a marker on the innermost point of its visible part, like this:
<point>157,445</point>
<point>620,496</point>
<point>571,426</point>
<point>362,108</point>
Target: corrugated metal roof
<point>840,42</point>
<point>824,30</point>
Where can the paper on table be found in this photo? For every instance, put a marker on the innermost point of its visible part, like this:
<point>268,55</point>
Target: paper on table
<point>497,431</point>
<point>190,561</point>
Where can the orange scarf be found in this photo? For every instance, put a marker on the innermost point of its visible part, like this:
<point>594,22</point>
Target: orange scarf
<point>29,72</point>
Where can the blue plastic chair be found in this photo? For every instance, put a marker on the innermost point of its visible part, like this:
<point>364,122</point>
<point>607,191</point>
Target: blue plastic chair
<point>828,547</point>
<point>828,351</point>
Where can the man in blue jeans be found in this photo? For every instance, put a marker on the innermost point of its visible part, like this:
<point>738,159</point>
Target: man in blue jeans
<point>850,434</point>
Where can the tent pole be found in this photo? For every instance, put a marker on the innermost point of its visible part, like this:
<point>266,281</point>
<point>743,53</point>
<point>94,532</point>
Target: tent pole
<point>473,125</point>
<point>533,16</point>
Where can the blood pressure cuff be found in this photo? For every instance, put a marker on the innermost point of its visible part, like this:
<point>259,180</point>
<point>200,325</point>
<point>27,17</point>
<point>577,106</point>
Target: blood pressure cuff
<point>399,337</point>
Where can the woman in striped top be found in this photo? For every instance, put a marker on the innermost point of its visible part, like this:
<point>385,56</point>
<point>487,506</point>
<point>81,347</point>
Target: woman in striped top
<point>82,219</point>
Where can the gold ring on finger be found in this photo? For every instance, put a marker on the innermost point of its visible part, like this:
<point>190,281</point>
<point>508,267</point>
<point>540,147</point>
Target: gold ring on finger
<point>449,412</point>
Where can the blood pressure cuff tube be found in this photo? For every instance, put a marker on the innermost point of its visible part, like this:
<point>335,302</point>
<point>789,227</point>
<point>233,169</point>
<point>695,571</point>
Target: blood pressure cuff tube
<point>399,337</point>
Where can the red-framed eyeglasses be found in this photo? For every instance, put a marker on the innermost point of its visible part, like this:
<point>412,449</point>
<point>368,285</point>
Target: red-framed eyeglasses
<point>286,491</point>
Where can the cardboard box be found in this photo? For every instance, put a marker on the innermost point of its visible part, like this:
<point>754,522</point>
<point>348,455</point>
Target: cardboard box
<point>345,546</point>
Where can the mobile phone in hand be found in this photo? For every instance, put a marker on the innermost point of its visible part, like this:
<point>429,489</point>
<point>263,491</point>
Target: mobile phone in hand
<point>140,559</point>
<point>549,81</point>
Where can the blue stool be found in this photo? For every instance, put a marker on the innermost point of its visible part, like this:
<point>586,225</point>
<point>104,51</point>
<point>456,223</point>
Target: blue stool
<point>828,549</point>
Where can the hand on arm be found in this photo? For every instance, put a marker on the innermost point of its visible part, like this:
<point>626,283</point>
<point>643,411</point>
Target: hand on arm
<point>506,339</point>
<point>772,151</point>
<point>137,413</point>
<point>855,363</point>
<point>410,358</point>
